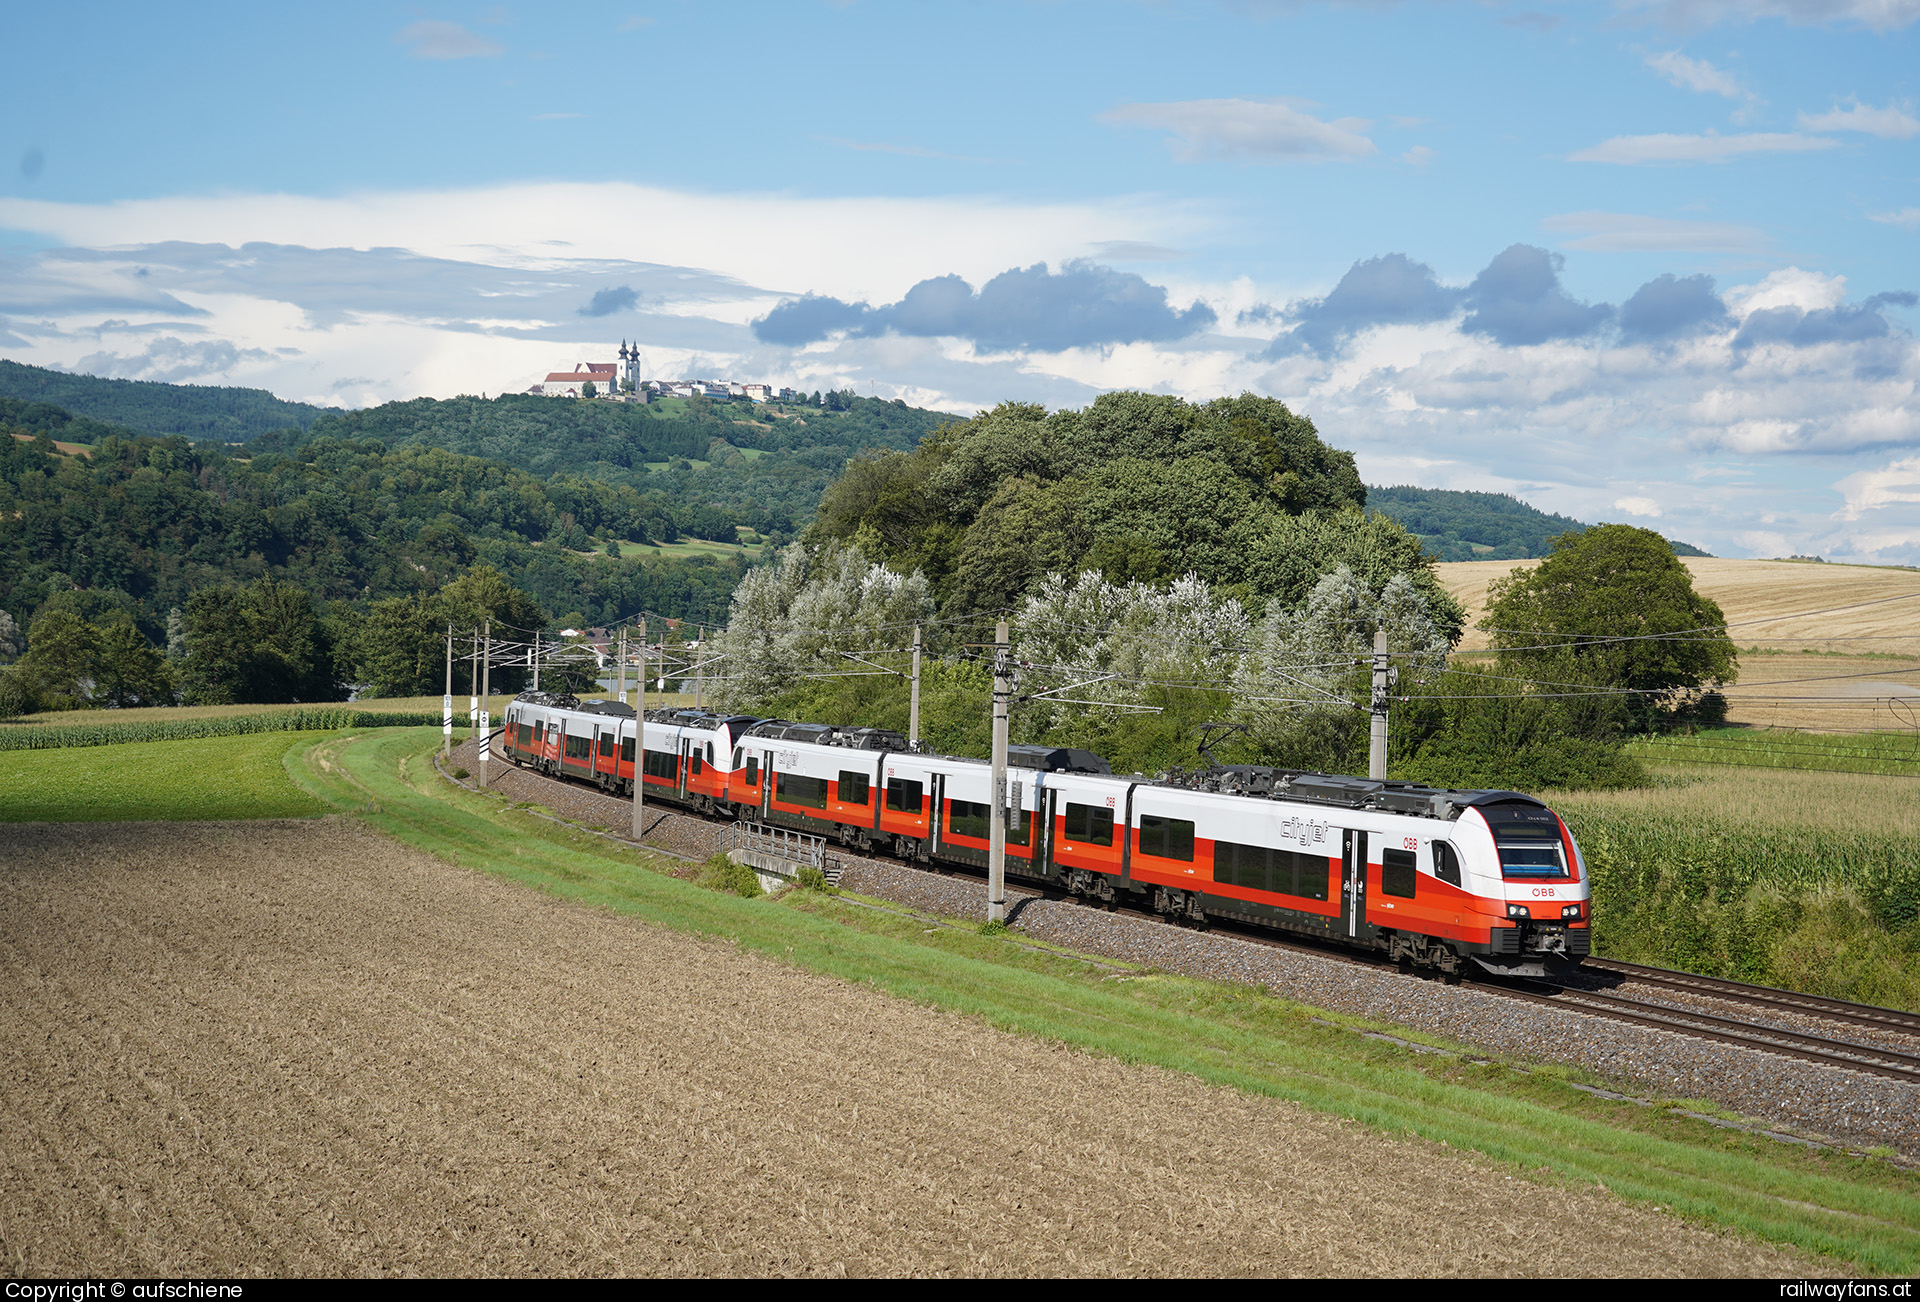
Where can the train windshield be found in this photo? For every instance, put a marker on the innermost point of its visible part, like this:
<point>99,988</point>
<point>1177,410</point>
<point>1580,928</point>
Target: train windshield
<point>1529,840</point>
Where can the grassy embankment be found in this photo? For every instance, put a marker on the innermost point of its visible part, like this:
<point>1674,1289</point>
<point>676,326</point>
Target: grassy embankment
<point>210,778</point>
<point>1532,1123</point>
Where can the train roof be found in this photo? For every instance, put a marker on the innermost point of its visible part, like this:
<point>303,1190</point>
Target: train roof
<point>568,701</point>
<point>1259,781</point>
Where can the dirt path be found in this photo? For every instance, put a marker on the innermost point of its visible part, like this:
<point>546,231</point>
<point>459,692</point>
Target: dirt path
<point>296,1048</point>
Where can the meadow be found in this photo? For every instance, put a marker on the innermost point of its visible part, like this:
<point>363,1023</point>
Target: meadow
<point>208,778</point>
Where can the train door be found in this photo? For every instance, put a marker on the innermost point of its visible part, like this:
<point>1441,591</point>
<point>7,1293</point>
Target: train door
<point>766,782</point>
<point>686,750</point>
<point>937,832</point>
<point>1353,890</point>
<point>1043,849</point>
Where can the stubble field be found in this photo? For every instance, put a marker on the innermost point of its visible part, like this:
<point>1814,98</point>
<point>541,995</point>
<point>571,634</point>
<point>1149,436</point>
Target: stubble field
<point>299,1048</point>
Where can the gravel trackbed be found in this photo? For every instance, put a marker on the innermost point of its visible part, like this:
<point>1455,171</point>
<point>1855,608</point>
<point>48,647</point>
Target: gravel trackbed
<point>299,1048</point>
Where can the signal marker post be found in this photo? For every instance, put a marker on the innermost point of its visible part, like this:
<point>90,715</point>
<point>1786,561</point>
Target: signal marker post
<point>997,823</point>
<point>640,741</point>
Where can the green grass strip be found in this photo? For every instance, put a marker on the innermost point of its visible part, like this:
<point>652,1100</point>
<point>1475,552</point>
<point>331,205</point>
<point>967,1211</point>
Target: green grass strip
<point>1861,1211</point>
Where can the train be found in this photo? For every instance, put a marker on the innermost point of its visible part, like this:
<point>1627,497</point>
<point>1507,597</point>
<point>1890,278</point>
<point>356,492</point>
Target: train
<point>1432,878</point>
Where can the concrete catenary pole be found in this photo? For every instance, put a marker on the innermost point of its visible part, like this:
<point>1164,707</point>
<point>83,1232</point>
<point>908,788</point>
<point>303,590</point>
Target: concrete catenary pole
<point>1377,732</point>
<point>913,695</point>
<point>486,690</point>
<point>536,659</point>
<point>446,702</point>
<point>700,674</point>
<point>640,740</point>
<point>997,823</point>
<point>473,687</point>
<point>622,670</point>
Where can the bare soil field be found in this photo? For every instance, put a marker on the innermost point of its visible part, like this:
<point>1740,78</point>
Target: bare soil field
<point>1767,604</point>
<point>298,1048</point>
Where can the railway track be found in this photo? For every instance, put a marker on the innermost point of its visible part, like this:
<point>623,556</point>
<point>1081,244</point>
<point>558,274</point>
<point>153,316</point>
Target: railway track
<point>1878,1060</point>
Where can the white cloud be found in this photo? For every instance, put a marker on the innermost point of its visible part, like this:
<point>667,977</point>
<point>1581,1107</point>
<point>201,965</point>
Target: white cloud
<point>1695,74</point>
<point>1875,15</point>
<point>1788,287</point>
<point>1617,232</point>
<point>439,40</point>
<point>1709,148</point>
<point>852,248</point>
<point>1895,484</point>
<point>1260,131</point>
<point>1419,156</point>
<point>1645,507</point>
<point>1888,123</point>
<point>1907,217</point>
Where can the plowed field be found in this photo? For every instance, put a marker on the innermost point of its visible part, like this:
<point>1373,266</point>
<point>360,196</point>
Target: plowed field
<point>296,1048</point>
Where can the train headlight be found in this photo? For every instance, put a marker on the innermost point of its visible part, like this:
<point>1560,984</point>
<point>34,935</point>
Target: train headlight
<point>1571,911</point>
<point>1519,911</point>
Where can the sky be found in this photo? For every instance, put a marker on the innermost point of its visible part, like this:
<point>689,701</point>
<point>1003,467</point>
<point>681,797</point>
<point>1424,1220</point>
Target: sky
<point>1643,261</point>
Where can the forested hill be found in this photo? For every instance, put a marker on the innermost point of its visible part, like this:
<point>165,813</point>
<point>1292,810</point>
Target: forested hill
<point>199,411</point>
<point>764,464</point>
<point>1461,526</point>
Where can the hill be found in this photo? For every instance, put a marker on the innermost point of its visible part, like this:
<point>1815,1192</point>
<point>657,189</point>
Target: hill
<point>763,465</point>
<point>1463,526</point>
<point>199,411</point>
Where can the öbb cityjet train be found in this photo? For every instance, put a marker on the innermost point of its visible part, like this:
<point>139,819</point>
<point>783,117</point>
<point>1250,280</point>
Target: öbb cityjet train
<point>1431,877</point>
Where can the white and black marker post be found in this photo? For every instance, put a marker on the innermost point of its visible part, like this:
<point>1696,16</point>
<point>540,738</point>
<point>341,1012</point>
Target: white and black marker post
<point>486,689</point>
<point>446,702</point>
<point>997,824</point>
<point>473,687</point>
<point>536,659</point>
<point>1377,730</point>
<point>640,740</point>
<point>913,695</point>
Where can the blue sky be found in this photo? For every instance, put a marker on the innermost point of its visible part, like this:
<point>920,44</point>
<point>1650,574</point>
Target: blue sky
<point>1650,261</point>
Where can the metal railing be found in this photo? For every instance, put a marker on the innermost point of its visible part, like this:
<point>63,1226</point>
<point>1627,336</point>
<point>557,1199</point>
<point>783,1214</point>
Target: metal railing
<point>800,849</point>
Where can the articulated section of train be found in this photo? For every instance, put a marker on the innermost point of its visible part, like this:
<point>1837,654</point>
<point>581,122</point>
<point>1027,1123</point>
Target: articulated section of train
<point>1434,878</point>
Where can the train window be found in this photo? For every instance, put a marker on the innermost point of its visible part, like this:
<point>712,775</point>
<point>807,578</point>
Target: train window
<point>964,818</point>
<point>1446,863</point>
<point>709,752</point>
<point>662,764</point>
<point>606,744</point>
<point>1398,873</point>
<point>1020,829</point>
<point>578,747</point>
<point>1090,824</point>
<point>1250,866</point>
<point>854,787</point>
<point>697,765</point>
<point>905,795</point>
<point>1166,838</point>
<point>526,735</point>
<point>736,757</point>
<point>798,790</point>
<point>1529,840</point>
<point>753,770</point>
<point>626,750</point>
<point>1308,873</point>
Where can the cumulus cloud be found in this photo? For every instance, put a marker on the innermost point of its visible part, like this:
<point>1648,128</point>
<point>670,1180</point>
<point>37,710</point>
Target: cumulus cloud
<point>1802,328</point>
<point>1388,290</point>
<point>439,40</point>
<point>1619,232</point>
<point>172,361</point>
<point>1639,151</point>
<point>1669,306</point>
<point>1695,74</point>
<point>1640,506</point>
<point>1082,305</point>
<point>1247,130</point>
<point>1518,300</point>
<point>605,302</point>
<point>1888,123</point>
